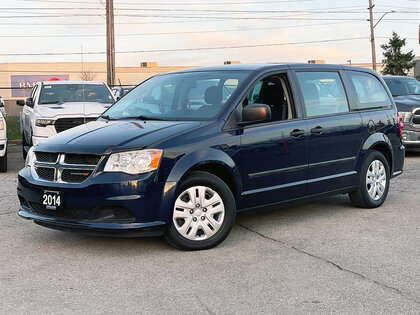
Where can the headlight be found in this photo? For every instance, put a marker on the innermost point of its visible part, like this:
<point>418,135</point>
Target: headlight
<point>44,122</point>
<point>134,162</point>
<point>1,123</point>
<point>30,158</point>
<point>406,116</point>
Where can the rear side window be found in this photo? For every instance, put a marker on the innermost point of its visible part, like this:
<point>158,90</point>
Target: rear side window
<point>369,90</point>
<point>323,93</point>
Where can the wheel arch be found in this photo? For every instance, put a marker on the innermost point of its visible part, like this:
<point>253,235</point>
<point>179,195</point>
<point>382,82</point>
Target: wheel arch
<point>209,160</point>
<point>381,143</point>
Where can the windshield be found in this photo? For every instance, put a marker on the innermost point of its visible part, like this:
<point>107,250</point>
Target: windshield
<point>68,93</point>
<point>403,86</point>
<point>179,96</point>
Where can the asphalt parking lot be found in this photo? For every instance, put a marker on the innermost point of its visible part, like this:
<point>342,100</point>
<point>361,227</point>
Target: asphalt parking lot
<point>319,257</point>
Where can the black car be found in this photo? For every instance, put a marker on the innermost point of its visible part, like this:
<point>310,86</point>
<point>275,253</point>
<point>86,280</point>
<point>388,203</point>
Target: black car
<point>184,152</point>
<point>406,93</point>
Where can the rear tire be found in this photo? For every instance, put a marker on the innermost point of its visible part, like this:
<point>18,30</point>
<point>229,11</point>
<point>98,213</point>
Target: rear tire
<point>373,183</point>
<point>3,163</point>
<point>204,213</point>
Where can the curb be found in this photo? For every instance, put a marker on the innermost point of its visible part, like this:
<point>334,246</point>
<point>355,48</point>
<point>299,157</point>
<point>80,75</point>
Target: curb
<point>14,142</point>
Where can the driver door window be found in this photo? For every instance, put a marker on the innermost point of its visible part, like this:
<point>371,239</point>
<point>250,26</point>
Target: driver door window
<point>272,91</point>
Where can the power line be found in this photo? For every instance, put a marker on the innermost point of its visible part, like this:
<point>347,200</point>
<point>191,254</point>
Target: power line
<point>313,11</point>
<point>203,17</point>
<point>176,4</point>
<point>119,23</point>
<point>184,49</point>
<point>181,32</point>
<point>400,21</point>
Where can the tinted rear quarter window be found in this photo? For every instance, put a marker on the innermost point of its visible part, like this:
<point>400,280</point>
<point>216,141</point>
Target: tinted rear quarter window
<point>369,91</point>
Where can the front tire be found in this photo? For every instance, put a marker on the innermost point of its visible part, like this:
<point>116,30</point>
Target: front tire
<point>3,163</point>
<point>204,213</point>
<point>374,182</point>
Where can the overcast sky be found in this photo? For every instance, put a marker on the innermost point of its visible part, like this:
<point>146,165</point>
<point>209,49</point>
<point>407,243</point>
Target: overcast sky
<point>69,26</point>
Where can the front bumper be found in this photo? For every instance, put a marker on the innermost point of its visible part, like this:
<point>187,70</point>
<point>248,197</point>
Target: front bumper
<point>3,147</point>
<point>411,139</point>
<point>86,205</point>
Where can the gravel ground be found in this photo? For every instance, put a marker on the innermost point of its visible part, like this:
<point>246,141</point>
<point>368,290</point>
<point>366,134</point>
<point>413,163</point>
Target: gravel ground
<point>319,257</point>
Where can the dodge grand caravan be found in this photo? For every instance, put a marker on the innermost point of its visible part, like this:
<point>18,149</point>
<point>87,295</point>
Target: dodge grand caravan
<point>184,152</point>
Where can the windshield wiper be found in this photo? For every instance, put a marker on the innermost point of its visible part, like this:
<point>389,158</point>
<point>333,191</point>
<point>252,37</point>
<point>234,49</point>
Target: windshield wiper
<point>52,102</point>
<point>107,117</point>
<point>142,117</point>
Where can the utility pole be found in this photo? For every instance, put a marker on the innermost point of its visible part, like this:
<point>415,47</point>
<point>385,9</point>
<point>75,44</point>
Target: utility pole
<point>110,43</point>
<point>372,35</point>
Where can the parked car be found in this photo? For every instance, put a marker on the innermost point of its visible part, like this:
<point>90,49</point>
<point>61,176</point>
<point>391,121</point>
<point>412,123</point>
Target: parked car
<point>154,164</point>
<point>2,104</point>
<point>121,90</point>
<point>406,93</point>
<point>3,138</point>
<point>55,106</point>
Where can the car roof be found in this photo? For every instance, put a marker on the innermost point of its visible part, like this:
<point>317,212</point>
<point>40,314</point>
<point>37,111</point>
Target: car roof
<point>272,66</point>
<point>397,77</point>
<point>72,82</point>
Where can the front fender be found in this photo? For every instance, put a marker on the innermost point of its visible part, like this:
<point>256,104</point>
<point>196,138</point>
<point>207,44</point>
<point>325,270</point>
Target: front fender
<point>187,163</point>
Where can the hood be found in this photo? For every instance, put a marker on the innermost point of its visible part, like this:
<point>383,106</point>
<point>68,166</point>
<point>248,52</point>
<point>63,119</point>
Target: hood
<point>99,137</point>
<point>71,109</point>
<point>406,103</point>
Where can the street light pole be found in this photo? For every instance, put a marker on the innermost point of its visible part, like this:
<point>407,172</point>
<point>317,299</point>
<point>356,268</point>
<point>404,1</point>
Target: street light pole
<point>372,35</point>
<point>372,31</point>
<point>110,43</point>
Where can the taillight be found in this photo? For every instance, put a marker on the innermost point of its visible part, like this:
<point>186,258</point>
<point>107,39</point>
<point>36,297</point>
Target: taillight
<point>400,124</point>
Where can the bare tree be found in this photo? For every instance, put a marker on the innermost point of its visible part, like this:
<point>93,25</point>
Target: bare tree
<point>87,75</point>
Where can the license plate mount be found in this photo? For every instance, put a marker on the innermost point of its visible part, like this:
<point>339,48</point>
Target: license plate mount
<point>52,200</point>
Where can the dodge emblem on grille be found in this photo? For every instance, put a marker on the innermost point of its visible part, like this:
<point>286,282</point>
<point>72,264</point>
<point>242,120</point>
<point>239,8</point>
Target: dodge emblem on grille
<point>79,174</point>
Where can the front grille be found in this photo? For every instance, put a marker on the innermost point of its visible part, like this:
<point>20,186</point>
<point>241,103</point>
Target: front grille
<point>416,120</point>
<point>63,124</point>
<point>46,157</point>
<point>416,117</point>
<point>75,176</point>
<point>79,214</point>
<point>65,168</point>
<point>45,173</point>
<point>85,159</point>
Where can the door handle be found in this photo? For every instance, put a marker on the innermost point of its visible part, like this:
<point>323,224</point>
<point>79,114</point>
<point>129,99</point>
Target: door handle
<point>297,133</point>
<point>317,130</point>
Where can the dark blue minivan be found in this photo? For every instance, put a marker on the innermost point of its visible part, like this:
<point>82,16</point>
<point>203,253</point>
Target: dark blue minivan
<point>184,152</point>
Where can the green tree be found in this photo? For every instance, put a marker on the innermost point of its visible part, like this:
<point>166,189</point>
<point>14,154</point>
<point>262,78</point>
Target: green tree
<point>397,62</point>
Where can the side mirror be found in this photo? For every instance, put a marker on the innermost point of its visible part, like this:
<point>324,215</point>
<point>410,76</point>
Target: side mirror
<point>254,113</point>
<point>20,102</point>
<point>118,98</point>
<point>29,102</point>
